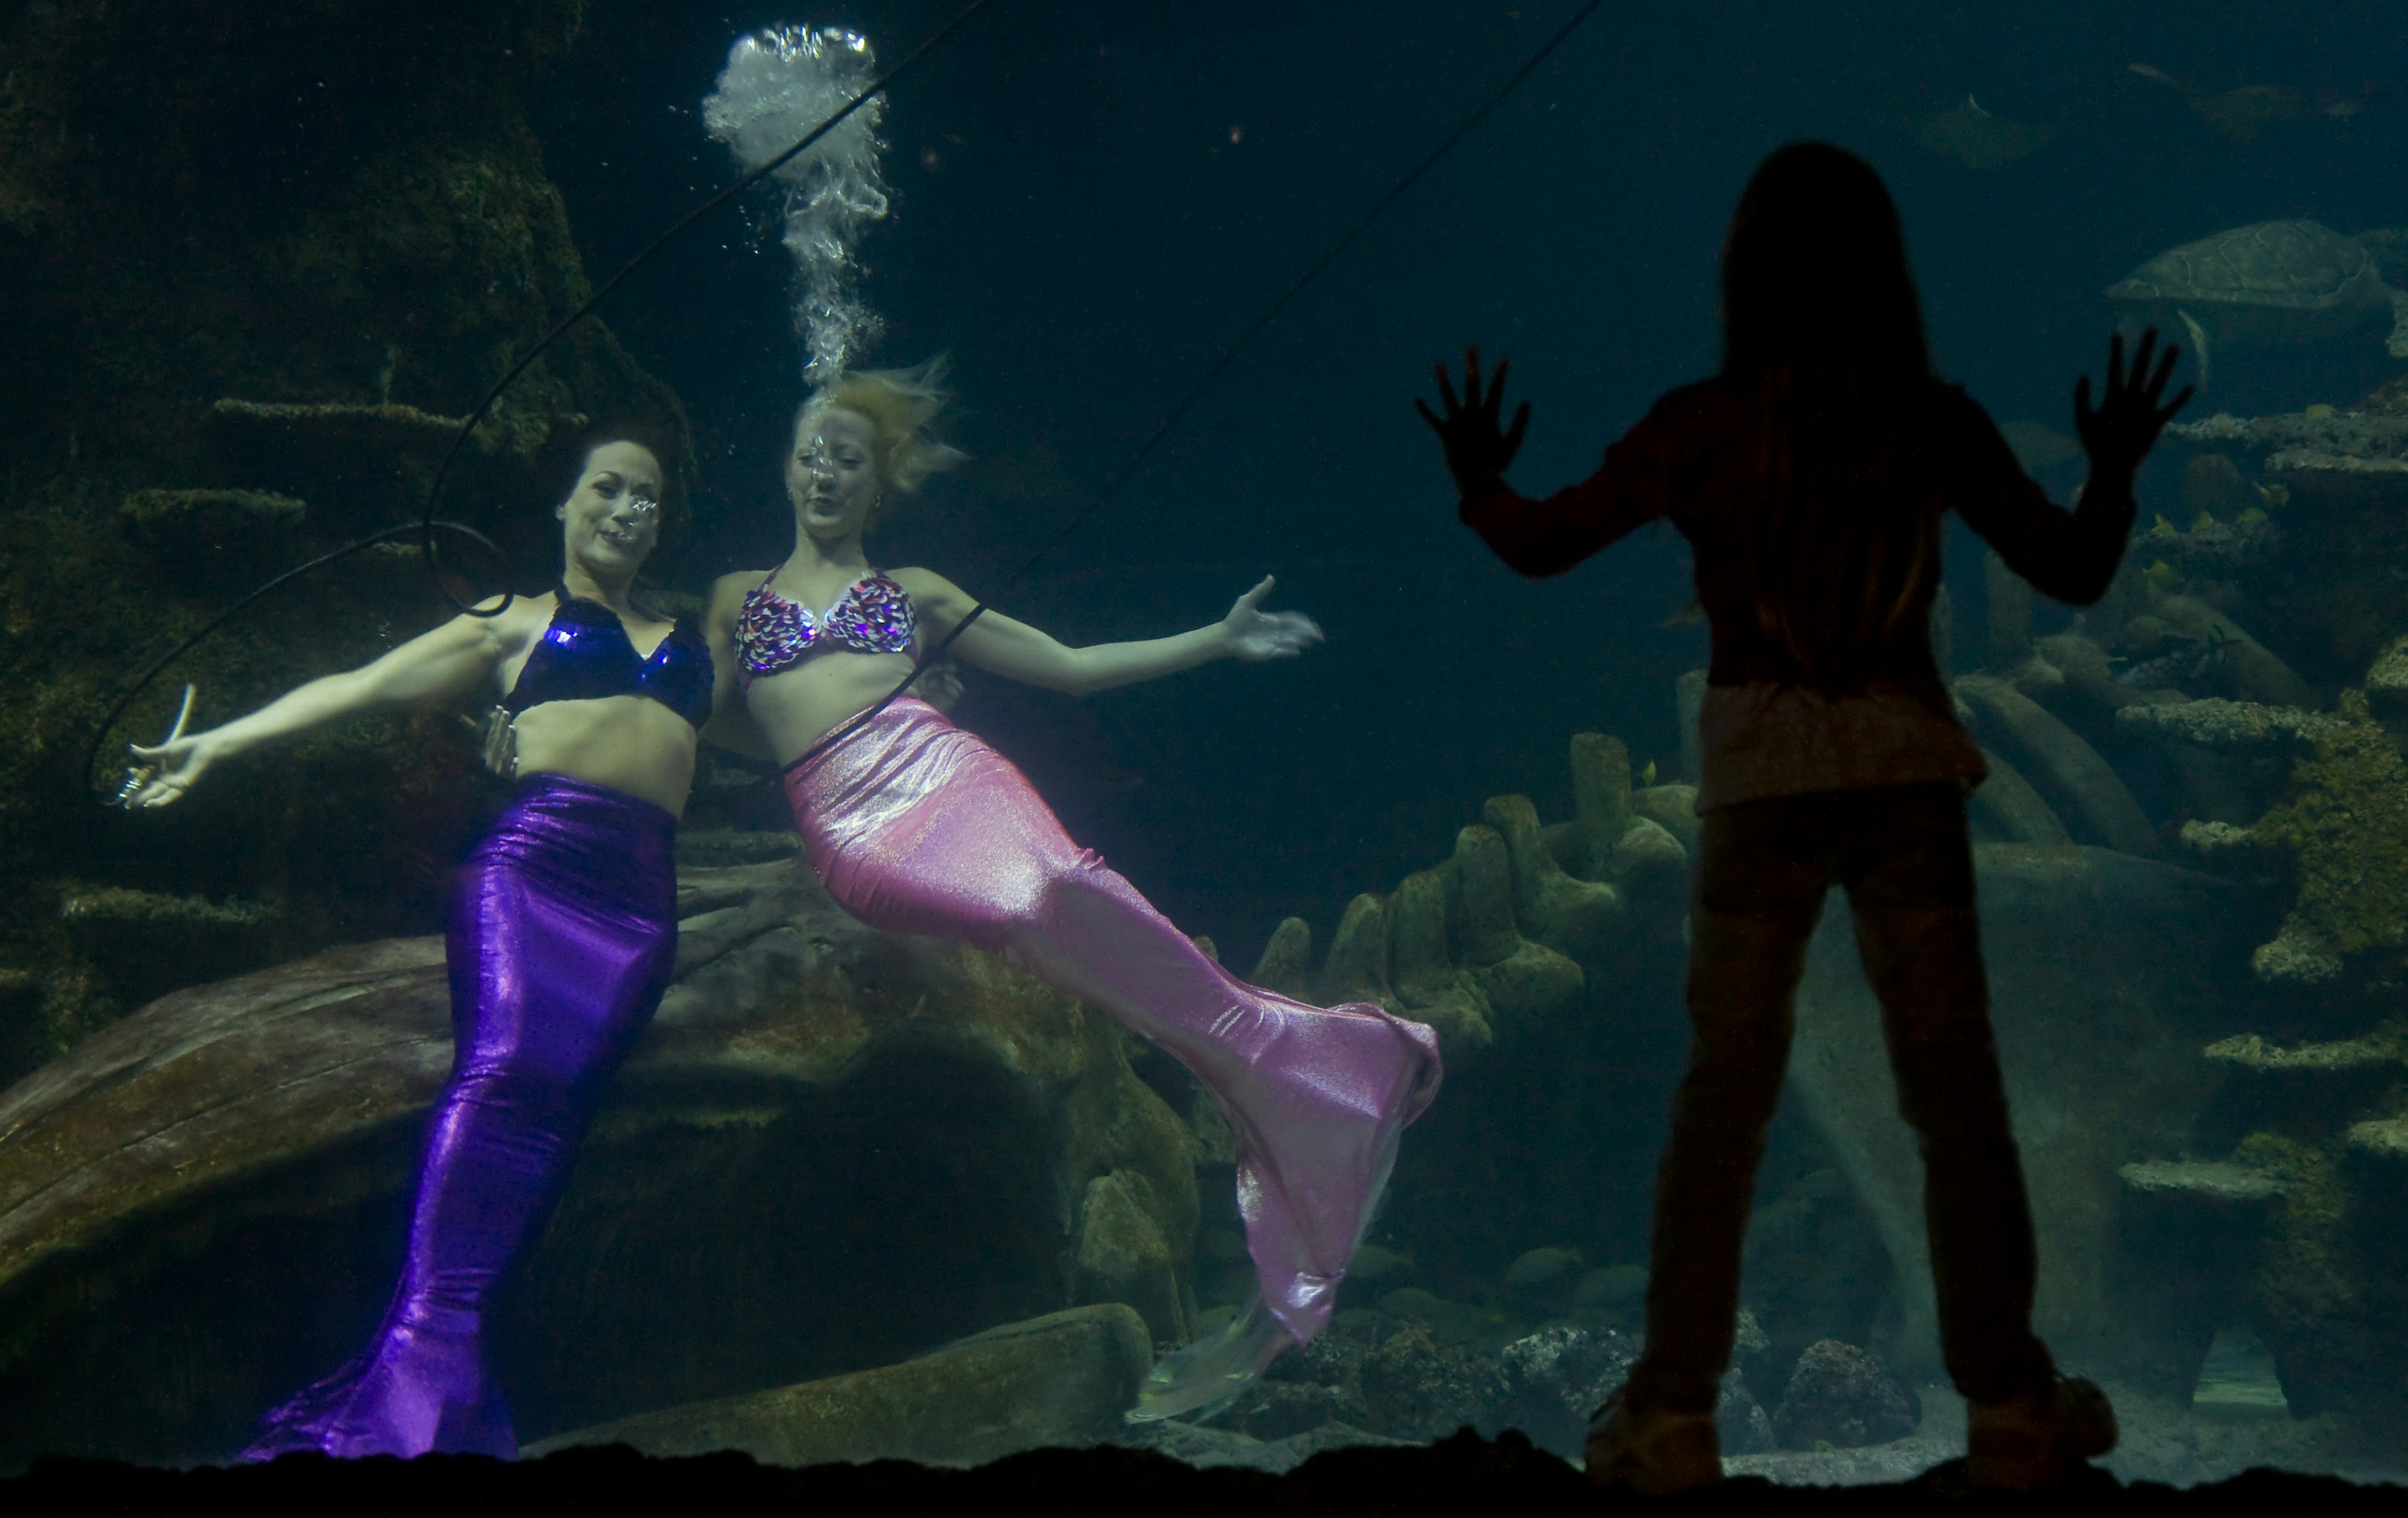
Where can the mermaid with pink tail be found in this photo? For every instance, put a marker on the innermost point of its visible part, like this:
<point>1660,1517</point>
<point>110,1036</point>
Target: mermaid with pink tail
<point>919,827</point>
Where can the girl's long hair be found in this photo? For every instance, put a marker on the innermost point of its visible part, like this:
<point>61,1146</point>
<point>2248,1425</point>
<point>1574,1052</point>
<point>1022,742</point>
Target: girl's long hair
<point>1822,325</point>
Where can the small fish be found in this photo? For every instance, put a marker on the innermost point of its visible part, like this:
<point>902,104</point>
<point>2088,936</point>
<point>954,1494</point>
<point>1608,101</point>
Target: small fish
<point>2253,518</point>
<point>1647,776</point>
<point>2202,521</point>
<point>2275,494</point>
<point>1539,1266</point>
<point>2164,529</point>
<point>2318,411</point>
<point>2162,577</point>
<point>1371,1262</point>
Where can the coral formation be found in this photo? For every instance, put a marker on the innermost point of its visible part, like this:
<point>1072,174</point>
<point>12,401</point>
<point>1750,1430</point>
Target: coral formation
<point>2348,826</point>
<point>1495,939</point>
<point>2202,676</point>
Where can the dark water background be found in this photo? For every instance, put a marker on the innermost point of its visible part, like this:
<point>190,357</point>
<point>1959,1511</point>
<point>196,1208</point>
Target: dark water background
<point>1090,198</point>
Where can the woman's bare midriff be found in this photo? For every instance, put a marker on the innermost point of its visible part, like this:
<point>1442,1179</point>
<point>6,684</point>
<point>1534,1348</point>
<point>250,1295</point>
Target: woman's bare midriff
<point>631,743</point>
<point>796,708</point>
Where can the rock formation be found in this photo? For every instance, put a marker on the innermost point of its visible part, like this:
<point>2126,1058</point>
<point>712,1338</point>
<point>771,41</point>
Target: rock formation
<point>1060,1380</point>
<point>836,1148</point>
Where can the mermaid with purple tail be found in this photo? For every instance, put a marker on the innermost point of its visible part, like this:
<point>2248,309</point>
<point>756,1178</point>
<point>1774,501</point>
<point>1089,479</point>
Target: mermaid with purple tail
<point>918,827</point>
<point>562,933</point>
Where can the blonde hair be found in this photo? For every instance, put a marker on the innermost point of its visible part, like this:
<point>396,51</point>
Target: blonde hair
<point>900,403</point>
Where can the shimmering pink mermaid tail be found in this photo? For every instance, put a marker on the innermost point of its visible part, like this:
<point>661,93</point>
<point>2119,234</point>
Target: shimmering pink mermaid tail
<point>919,827</point>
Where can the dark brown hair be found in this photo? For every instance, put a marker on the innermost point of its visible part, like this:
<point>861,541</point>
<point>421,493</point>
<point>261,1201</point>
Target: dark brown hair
<point>565,459</point>
<point>1822,324</point>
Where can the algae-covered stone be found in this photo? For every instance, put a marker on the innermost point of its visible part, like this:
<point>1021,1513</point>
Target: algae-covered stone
<point>1427,977</point>
<point>2310,1278</point>
<point>1356,969</point>
<point>1579,917</point>
<point>2385,1139</point>
<point>1671,808</point>
<point>1124,1256</point>
<point>1649,862</point>
<point>2218,723</point>
<point>1601,783</point>
<point>1062,1379</point>
<point>1522,980</point>
<point>2298,954</point>
<point>1286,964</point>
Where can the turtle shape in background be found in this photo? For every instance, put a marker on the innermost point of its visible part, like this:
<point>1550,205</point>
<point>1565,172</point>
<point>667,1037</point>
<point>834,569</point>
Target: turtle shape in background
<point>2273,285</point>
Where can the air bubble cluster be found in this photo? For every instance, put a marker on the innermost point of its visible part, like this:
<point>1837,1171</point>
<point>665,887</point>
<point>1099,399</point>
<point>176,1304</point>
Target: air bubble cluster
<point>778,85</point>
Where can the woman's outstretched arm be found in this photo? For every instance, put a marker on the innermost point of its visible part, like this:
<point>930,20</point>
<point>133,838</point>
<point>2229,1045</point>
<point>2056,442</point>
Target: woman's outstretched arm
<point>449,661</point>
<point>1020,652</point>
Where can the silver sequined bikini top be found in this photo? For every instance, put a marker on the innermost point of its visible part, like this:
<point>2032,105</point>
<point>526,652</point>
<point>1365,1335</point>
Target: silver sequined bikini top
<point>874,615</point>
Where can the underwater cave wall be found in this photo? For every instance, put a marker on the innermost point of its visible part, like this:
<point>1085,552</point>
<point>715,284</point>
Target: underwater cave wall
<point>255,270</point>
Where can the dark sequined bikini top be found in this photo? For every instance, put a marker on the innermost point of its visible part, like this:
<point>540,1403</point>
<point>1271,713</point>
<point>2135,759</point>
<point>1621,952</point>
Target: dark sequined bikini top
<point>874,615</point>
<point>586,654</point>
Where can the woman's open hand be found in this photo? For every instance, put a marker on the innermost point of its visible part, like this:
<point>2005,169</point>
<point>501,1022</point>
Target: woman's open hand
<point>1251,634</point>
<point>2119,433</point>
<point>175,767</point>
<point>1478,451</point>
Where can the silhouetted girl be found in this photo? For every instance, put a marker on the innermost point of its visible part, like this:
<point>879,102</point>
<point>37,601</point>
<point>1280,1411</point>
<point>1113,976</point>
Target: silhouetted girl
<point>1810,477</point>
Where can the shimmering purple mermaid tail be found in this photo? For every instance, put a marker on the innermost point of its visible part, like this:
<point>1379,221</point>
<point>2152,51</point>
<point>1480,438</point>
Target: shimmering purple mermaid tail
<point>563,932</point>
<point>919,827</point>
